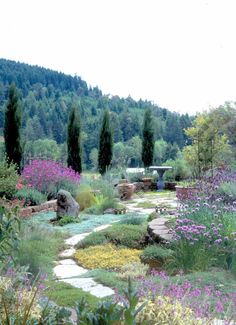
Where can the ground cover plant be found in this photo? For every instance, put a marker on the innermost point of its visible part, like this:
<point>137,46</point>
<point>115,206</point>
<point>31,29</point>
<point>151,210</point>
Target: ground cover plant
<point>106,256</point>
<point>206,298</point>
<point>127,235</point>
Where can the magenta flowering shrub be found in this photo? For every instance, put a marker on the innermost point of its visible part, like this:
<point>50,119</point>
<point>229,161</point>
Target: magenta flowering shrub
<point>48,176</point>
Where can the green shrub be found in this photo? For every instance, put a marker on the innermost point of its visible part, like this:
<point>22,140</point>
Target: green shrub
<point>227,191</point>
<point>152,216</point>
<point>121,235</point>
<point>67,219</point>
<point>156,253</point>
<point>180,170</point>
<point>30,196</point>
<point>94,239</point>
<point>85,198</point>
<point>8,179</point>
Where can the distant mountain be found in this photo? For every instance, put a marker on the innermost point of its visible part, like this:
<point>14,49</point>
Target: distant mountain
<point>47,97</point>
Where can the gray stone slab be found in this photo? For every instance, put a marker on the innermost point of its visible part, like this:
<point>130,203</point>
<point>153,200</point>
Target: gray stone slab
<point>72,241</point>
<point>68,252</point>
<point>68,271</point>
<point>89,285</point>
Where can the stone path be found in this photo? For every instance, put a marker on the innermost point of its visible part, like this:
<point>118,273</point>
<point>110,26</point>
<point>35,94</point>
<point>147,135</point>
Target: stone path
<point>157,200</point>
<point>69,272</point>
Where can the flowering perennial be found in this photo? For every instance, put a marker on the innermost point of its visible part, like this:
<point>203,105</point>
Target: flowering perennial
<point>40,174</point>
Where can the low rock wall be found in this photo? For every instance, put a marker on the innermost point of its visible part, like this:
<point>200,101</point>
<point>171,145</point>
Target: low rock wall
<point>47,206</point>
<point>152,186</point>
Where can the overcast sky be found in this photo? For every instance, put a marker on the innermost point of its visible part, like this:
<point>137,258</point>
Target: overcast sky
<point>180,54</point>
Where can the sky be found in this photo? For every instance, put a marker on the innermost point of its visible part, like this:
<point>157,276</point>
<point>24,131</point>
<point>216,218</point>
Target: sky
<point>179,54</point>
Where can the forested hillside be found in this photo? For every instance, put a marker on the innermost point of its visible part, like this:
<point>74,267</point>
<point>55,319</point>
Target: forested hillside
<point>47,97</point>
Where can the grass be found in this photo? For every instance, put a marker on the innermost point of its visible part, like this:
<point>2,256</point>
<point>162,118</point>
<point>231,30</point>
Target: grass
<point>107,278</point>
<point>146,205</point>
<point>65,295</point>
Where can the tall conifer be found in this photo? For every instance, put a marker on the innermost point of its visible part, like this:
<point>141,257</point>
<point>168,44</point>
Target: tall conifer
<point>12,128</point>
<point>105,145</point>
<point>73,141</point>
<point>148,139</point>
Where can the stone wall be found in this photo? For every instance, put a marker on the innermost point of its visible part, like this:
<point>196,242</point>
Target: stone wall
<point>47,206</point>
<point>152,186</point>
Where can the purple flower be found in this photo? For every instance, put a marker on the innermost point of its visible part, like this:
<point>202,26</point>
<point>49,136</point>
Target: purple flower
<point>218,241</point>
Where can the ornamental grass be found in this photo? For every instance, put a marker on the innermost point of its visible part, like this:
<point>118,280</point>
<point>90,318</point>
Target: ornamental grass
<point>106,257</point>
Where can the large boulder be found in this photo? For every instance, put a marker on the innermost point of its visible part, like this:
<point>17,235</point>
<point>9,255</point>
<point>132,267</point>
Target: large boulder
<point>66,205</point>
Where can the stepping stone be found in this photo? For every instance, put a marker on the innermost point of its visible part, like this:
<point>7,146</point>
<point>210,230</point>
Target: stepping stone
<point>101,228</point>
<point>72,241</point>
<point>68,270</point>
<point>89,285</point>
<point>67,261</point>
<point>68,252</point>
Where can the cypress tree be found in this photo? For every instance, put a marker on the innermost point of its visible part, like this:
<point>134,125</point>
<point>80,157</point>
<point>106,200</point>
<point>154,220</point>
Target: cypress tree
<point>148,139</point>
<point>12,126</point>
<point>73,141</point>
<point>105,145</point>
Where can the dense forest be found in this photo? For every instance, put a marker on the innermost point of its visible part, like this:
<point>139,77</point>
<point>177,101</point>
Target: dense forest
<point>47,97</point>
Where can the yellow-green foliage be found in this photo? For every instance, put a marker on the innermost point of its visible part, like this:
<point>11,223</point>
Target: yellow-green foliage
<point>18,302</point>
<point>133,270</point>
<point>163,311</point>
<point>85,198</point>
<point>106,257</point>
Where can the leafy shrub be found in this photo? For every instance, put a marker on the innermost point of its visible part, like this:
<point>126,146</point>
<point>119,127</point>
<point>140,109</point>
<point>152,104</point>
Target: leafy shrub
<point>48,177</point>
<point>96,238</point>
<point>8,179</point>
<point>180,170</point>
<point>133,220</point>
<point>133,270</point>
<point>67,219</point>
<point>227,191</point>
<point>106,256</point>
<point>162,311</point>
<point>9,232</point>
<point>30,196</point>
<point>121,235</point>
<point>157,253</point>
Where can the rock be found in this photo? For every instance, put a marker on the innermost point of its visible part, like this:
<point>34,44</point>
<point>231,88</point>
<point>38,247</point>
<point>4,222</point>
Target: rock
<point>159,231</point>
<point>66,205</point>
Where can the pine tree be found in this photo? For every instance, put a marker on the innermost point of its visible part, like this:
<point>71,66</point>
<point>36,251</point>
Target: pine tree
<point>105,145</point>
<point>12,126</point>
<point>148,139</point>
<point>73,141</point>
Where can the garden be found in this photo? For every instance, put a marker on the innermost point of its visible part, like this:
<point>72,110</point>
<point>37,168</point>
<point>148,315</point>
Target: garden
<point>109,248</point>
<point>106,267</point>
